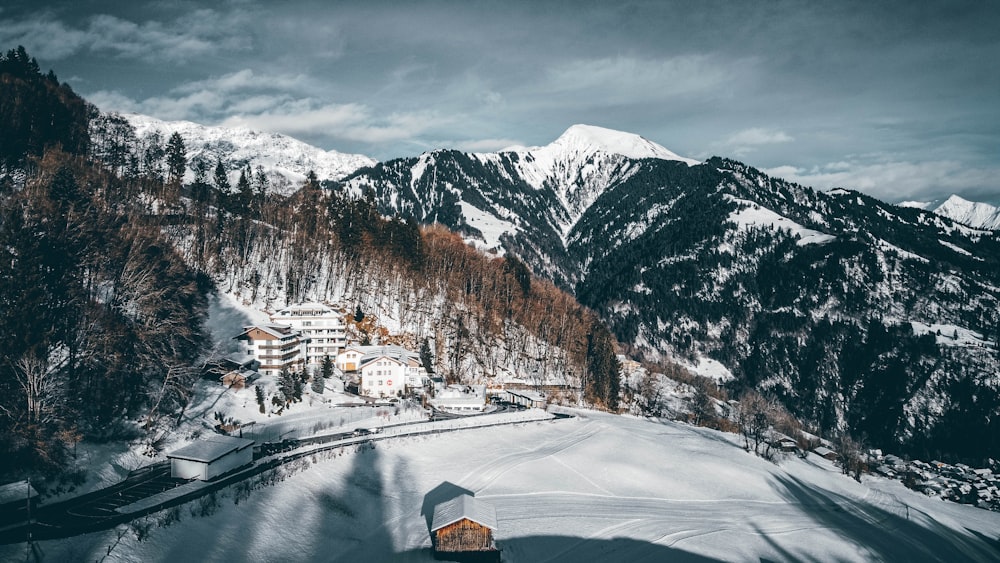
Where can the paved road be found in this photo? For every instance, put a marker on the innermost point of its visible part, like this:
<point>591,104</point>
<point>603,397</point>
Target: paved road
<point>97,510</point>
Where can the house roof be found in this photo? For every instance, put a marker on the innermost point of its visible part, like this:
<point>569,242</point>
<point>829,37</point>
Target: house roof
<point>306,310</point>
<point>278,331</point>
<point>210,449</point>
<point>464,507</point>
<point>398,353</point>
<point>17,491</point>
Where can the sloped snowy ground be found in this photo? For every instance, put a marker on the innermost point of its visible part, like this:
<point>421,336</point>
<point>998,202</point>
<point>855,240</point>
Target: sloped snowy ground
<point>594,488</point>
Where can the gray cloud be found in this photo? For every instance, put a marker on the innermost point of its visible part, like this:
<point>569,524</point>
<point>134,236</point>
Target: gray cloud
<point>802,87</point>
<point>198,33</point>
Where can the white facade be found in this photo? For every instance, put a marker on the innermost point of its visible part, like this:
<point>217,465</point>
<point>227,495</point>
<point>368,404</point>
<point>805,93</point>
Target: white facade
<point>274,346</point>
<point>320,324</point>
<point>385,370</point>
<point>461,399</point>
<point>383,376</point>
<point>207,459</point>
<point>349,358</point>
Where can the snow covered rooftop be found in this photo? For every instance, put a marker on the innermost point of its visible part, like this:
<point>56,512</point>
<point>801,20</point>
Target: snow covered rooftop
<point>210,449</point>
<point>464,507</point>
<point>305,310</point>
<point>397,353</point>
<point>276,330</point>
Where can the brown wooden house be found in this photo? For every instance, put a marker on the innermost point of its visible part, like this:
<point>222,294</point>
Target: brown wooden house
<point>463,525</point>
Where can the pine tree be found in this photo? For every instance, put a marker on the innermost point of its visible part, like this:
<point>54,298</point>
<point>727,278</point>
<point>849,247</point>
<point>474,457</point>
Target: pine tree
<point>176,160</point>
<point>260,398</point>
<point>426,356</point>
<point>244,192</point>
<point>220,178</point>
<point>287,381</point>
<point>604,381</point>
<point>325,372</point>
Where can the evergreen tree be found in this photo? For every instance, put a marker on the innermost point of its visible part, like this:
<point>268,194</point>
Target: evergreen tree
<point>426,356</point>
<point>244,193</point>
<point>604,377</point>
<point>260,398</point>
<point>318,383</point>
<point>287,382</point>
<point>220,178</point>
<point>326,371</point>
<point>176,160</point>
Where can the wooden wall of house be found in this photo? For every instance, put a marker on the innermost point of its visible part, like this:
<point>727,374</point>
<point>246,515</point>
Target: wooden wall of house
<point>464,535</point>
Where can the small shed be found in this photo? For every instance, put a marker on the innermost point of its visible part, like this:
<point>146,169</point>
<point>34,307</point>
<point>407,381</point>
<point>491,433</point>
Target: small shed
<point>207,459</point>
<point>826,452</point>
<point>464,525</point>
<point>525,398</point>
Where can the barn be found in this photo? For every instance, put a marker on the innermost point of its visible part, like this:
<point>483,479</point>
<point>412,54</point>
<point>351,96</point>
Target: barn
<point>464,525</point>
<point>207,459</point>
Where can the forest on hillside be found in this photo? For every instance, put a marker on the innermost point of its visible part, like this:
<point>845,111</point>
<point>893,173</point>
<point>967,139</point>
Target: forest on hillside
<point>108,256</point>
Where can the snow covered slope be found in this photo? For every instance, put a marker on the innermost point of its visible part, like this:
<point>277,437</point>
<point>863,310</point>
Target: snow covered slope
<point>532,198</point>
<point>594,488</point>
<point>973,214</point>
<point>285,160</point>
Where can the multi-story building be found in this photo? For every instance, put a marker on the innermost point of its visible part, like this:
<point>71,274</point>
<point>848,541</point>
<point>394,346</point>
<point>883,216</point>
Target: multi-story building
<point>275,347</point>
<point>320,324</point>
<point>385,370</point>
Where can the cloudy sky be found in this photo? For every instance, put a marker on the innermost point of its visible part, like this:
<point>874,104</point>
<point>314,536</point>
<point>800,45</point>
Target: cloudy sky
<point>899,99</point>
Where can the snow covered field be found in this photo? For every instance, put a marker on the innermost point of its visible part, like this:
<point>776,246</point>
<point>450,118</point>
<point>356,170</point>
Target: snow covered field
<point>593,488</point>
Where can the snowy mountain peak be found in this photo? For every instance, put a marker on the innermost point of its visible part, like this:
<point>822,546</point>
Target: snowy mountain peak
<point>590,138</point>
<point>285,160</point>
<point>974,214</point>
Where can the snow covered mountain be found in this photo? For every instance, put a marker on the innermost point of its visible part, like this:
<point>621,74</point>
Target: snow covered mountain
<point>860,315</point>
<point>974,214</point>
<point>285,160</point>
<point>525,200</point>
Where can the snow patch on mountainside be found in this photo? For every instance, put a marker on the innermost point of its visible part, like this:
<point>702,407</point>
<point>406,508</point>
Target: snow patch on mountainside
<point>714,370</point>
<point>285,160</point>
<point>489,225</point>
<point>753,215</point>
<point>951,335</point>
<point>974,214</point>
<point>956,248</point>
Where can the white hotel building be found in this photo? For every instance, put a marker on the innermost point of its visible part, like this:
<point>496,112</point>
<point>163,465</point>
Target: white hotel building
<point>320,325</point>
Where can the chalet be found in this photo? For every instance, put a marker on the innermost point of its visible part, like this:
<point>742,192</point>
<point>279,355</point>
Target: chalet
<point>825,452</point>
<point>207,459</point>
<point>320,324</point>
<point>275,346</point>
<point>463,525</point>
<point>784,443</point>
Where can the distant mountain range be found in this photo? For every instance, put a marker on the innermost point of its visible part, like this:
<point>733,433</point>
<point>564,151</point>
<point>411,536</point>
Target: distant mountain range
<point>862,316</point>
<point>974,214</point>
<point>285,160</point>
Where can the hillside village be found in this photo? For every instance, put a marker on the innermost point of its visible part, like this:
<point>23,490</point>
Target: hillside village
<point>310,342</point>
